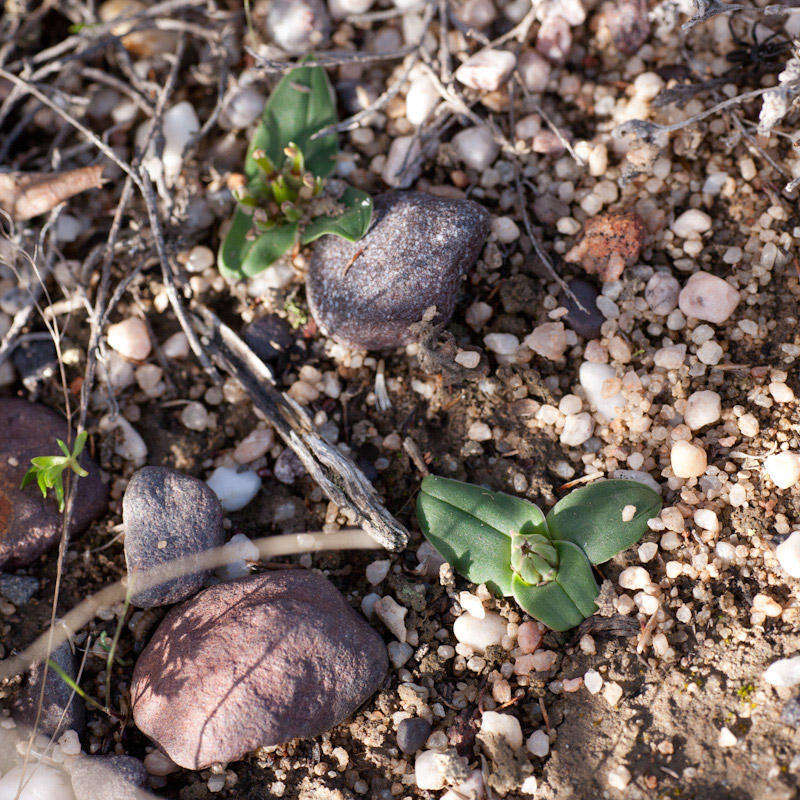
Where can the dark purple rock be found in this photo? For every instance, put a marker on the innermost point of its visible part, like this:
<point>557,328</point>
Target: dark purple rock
<point>29,524</point>
<point>412,733</point>
<point>268,337</point>
<point>162,506</point>
<point>583,323</point>
<point>61,709</point>
<point>252,663</point>
<point>417,251</point>
<point>108,778</point>
<point>35,361</point>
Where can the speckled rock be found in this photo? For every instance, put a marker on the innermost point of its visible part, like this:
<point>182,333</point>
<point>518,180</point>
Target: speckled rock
<point>585,323</point>
<point>62,710</point>
<point>253,663</point>
<point>108,778</point>
<point>29,524</point>
<point>18,589</point>
<point>418,249</point>
<point>610,243</point>
<point>168,515</point>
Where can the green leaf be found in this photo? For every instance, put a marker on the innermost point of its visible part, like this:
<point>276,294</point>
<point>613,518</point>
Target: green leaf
<point>238,257</point>
<point>566,601</point>
<point>80,443</point>
<point>352,224</point>
<point>591,517</point>
<point>472,527</point>
<point>63,448</point>
<point>302,104</point>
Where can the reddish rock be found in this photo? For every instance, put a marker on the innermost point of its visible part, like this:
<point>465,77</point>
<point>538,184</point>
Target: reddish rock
<point>253,663</point>
<point>29,524</point>
<point>610,243</point>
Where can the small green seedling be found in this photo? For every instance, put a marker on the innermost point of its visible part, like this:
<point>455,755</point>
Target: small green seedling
<point>545,562</point>
<point>48,471</point>
<point>283,198</point>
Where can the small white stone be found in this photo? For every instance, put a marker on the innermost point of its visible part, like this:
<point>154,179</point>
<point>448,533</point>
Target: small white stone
<point>477,14</point>
<point>157,763</point>
<point>476,147</point>
<point>783,469</point>
<point>726,737</point>
<point>634,578</point>
<point>487,70</point>
<point>234,489</point>
<point>402,164</point>
<point>706,519</point>
<point>612,693</point>
<point>469,359</point>
<point>691,223</point>
<point>473,788</point>
<point>710,353</point>
<point>506,726</point>
<point>421,99</point>
<point>670,357</point>
<point>688,460</point>
<point>538,743</point>
<point>430,770</point>
<point>479,432</point>
<point>242,107</point>
<point>256,444</point>
<point>472,604</point>
<point>702,408</point>
<point>399,653</point>
<point>577,429</point>
<point>177,346</point>
<point>504,344</point>
<point>593,681</point>
<point>785,672</point>
<point>505,230</point>
<point>127,444</point>
<point>548,340</point>
<point>239,550</point>
<point>343,8</point>
<point>130,338</point>
<point>619,777</point>
<point>37,781</point>
<point>480,633</point>
<point>662,293</point>
<point>781,393</point>
<point>477,315</point>
<point>595,380</point>
<point>534,70</point>
<point>708,298</point>
<point>148,376</point>
<point>377,571</point>
<point>392,615</point>
<point>69,743</point>
<point>788,555</point>
<point>194,416</point>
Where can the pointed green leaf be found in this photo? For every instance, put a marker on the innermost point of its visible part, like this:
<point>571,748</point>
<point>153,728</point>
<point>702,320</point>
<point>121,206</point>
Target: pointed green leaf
<point>566,601</point>
<point>592,517</point>
<point>302,104</point>
<point>63,448</point>
<point>352,224</point>
<point>30,476</point>
<point>41,479</point>
<point>80,443</point>
<point>471,527</point>
<point>239,257</point>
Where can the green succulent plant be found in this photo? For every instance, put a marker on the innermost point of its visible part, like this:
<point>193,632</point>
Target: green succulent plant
<point>283,200</point>
<point>48,471</point>
<point>544,562</point>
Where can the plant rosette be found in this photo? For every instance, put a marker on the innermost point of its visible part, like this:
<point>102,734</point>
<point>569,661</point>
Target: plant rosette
<point>544,562</point>
<point>283,199</point>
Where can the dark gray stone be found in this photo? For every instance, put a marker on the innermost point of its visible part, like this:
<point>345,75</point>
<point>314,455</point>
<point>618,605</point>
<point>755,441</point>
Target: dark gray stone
<point>29,524</point>
<point>59,699</point>
<point>583,323</point>
<point>268,337</point>
<point>18,589</point>
<point>168,515</point>
<point>252,663</point>
<point>298,26</point>
<point>108,778</point>
<point>35,362</point>
<point>418,249</point>
<point>412,733</point>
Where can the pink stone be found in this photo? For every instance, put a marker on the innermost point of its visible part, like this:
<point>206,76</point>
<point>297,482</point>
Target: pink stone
<point>529,636</point>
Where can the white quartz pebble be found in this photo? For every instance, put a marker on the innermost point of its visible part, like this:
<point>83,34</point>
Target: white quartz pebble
<point>506,726</point>
<point>702,408</point>
<point>256,444</point>
<point>688,460</point>
<point>661,293</point>
<point>127,443</point>
<point>392,615</point>
<point>476,147</point>
<point>577,429</point>
<point>504,344</point>
<point>480,633</point>
<point>538,743</point>
<point>691,223</point>
<point>430,770</point>
<point>487,70</point>
<point>377,571</point>
<point>784,672</point>
<point>130,338</point>
<point>788,555</point>
<point>402,164</point>
<point>35,782</point>
<point>177,346</point>
<point>595,379</point>
<point>634,578</point>
<point>548,340</point>
<point>234,489</point>
<point>194,416</point>
<point>783,469</point>
<point>593,681</point>
<point>708,297</point>
<point>238,551</point>
<point>421,99</point>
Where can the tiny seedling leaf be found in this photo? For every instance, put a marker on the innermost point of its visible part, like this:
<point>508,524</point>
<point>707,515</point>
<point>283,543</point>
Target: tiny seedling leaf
<point>302,104</point>
<point>351,224</point>
<point>471,527</point>
<point>239,257</point>
<point>593,517</point>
